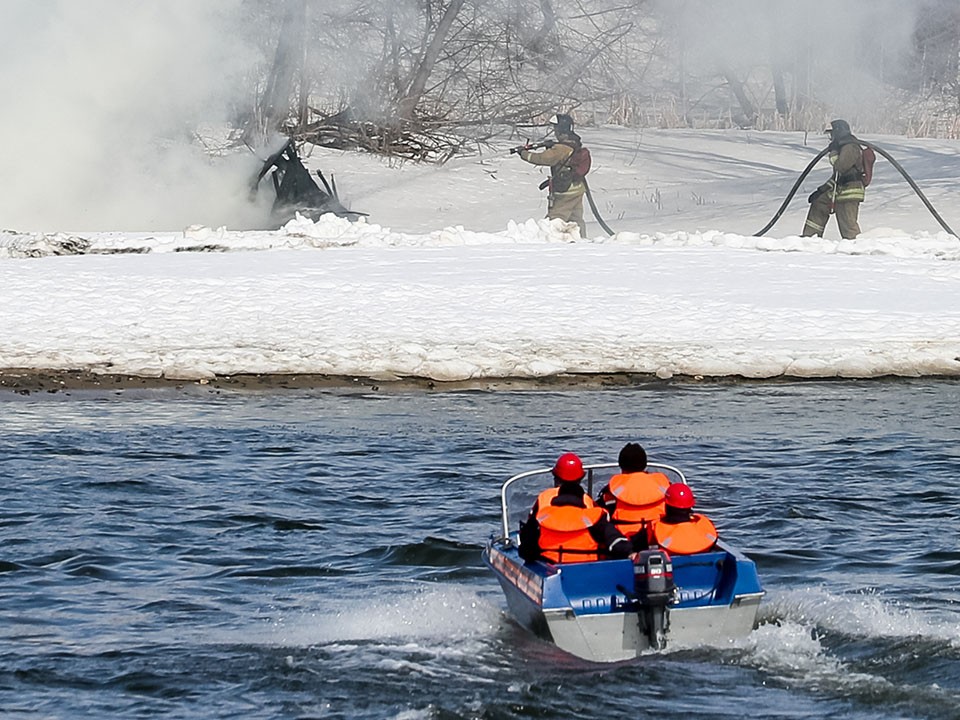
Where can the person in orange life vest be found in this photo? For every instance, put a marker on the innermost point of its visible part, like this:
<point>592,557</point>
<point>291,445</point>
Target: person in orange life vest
<point>634,497</point>
<point>566,526</point>
<point>680,530</point>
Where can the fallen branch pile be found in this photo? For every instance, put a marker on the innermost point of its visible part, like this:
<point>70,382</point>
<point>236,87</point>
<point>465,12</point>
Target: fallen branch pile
<point>416,142</point>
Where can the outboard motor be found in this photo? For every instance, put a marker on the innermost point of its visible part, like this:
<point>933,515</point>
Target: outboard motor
<point>655,589</point>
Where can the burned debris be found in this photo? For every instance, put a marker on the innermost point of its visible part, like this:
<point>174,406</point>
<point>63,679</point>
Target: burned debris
<point>296,191</point>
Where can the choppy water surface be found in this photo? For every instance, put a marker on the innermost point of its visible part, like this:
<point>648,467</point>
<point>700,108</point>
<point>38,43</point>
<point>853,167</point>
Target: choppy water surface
<point>317,555</point>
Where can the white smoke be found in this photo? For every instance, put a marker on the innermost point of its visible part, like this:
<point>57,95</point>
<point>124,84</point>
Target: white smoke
<point>844,57</point>
<point>102,102</point>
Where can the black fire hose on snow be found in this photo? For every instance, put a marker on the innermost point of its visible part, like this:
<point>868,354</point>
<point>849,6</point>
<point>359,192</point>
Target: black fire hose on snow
<point>806,171</point>
<point>596,213</point>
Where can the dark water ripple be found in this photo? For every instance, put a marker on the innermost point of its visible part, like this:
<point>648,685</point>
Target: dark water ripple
<point>317,554</point>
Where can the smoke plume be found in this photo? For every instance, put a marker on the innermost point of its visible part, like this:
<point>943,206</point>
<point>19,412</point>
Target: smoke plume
<point>102,104</point>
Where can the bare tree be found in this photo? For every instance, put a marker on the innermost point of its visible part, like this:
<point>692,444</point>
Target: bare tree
<point>274,106</point>
<point>421,73</point>
<point>420,64</point>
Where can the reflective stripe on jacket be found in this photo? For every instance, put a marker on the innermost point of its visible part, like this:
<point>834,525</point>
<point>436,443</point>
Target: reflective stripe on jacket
<point>565,532</point>
<point>639,498</point>
<point>696,535</point>
<point>848,171</point>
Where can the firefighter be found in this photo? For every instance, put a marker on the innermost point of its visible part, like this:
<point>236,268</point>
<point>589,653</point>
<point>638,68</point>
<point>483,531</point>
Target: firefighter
<point>844,191</point>
<point>569,163</point>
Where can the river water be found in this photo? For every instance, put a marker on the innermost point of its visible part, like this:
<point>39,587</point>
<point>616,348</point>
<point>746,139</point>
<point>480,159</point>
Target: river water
<point>196,554</point>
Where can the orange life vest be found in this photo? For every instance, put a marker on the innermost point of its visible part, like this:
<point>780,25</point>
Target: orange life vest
<point>565,531</point>
<point>547,496</point>
<point>639,499</point>
<point>696,535</point>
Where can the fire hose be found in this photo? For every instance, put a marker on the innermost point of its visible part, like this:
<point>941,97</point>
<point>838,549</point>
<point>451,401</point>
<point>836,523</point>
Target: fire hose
<point>879,150</point>
<point>593,209</point>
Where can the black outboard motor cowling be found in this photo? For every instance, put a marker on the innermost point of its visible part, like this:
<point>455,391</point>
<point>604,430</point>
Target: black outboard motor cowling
<point>655,589</point>
<point>653,577</point>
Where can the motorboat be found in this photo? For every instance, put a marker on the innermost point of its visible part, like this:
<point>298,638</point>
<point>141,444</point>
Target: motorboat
<point>615,610</point>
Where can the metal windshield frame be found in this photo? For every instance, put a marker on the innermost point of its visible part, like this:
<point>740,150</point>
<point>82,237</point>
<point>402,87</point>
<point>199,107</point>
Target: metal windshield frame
<point>504,506</point>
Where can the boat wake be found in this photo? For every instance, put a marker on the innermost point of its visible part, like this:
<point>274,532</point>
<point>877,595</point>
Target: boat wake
<point>858,646</point>
<point>421,613</point>
<point>863,615</point>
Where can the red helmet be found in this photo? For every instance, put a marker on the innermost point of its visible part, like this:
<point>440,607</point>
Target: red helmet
<point>568,468</point>
<point>679,496</point>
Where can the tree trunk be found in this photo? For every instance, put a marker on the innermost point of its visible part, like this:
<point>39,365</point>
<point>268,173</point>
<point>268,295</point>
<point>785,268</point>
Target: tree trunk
<point>801,81</point>
<point>275,105</point>
<point>537,43</point>
<point>418,84</point>
<point>736,87</point>
<point>780,92</point>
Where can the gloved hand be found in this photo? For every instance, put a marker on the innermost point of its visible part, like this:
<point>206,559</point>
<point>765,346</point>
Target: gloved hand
<point>818,192</point>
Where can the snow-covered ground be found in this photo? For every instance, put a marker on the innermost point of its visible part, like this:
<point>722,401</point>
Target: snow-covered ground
<point>455,275</point>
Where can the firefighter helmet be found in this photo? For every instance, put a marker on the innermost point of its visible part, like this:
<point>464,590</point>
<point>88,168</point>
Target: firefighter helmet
<point>562,123</point>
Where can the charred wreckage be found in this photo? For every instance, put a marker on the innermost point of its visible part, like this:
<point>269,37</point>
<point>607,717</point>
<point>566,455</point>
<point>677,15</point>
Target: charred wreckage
<point>296,191</point>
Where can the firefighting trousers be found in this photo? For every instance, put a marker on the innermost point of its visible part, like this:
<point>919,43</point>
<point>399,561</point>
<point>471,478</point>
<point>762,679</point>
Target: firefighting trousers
<point>568,206</point>
<point>848,213</point>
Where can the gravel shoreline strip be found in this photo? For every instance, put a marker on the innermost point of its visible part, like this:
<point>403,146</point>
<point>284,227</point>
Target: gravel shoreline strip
<point>24,381</point>
<point>28,381</point>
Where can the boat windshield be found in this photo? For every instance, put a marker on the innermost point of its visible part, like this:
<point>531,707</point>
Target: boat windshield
<point>519,492</point>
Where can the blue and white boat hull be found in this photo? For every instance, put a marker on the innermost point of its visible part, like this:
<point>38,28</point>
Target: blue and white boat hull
<point>581,607</point>
<point>592,609</point>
